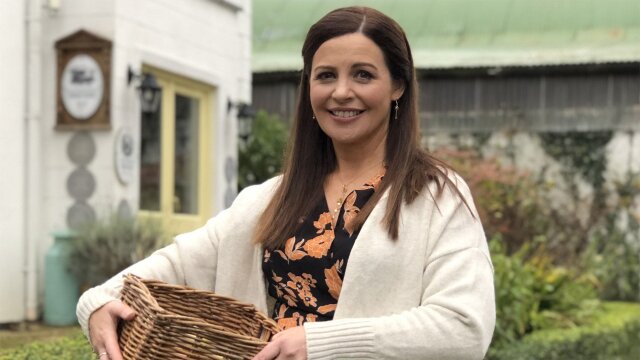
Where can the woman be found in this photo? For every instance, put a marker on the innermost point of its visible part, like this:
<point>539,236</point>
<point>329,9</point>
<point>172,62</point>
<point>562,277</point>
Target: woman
<point>361,215</point>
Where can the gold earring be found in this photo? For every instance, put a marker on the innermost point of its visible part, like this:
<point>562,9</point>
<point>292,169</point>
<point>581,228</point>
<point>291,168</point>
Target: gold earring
<point>395,117</point>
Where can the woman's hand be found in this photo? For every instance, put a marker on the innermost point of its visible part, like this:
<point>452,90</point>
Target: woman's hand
<point>288,344</point>
<point>102,329</point>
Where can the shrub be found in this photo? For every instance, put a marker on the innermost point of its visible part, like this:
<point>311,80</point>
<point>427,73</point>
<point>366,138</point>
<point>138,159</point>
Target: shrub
<point>508,201</point>
<point>566,297</point>
<point>613,335</point>
<point>516,301</point>
<point>613,252</point>
<point>515,207</point>
<point>616,263</point>
<point>103,248</point>
<point>261,156</point>
<point>533,294</point>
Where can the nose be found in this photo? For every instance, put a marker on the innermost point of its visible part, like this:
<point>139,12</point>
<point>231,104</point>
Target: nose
<point>342,90</point>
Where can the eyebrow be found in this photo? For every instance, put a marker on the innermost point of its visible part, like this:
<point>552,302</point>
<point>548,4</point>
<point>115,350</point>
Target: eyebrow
<point>355,65</point>
<point>362,64</point>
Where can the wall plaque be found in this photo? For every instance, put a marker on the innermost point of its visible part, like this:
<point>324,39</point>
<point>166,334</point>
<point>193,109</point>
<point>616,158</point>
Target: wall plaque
<point>83,82</point>
<point>125,160</point>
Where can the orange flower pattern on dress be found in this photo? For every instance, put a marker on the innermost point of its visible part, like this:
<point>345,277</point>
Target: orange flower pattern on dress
<point>333,279</point>
<point>325,309</point>
<point>324,220</point>
<point>307,272</point>
<point>350,213</point>
<point>351,210</point>
<point>291,250</point>
<point>286,322</point>
<point>302,283</point>
<point>319,245</point>
<point>277,280</point>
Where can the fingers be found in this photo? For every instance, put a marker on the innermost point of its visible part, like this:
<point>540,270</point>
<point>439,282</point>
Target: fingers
<point>112,349</point>
<point>289,344</point>
<point>269,352</point>
<point>102,328</point>
<point>121,310</point>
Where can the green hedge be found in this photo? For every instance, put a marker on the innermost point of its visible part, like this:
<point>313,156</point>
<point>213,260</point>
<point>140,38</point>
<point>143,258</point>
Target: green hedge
<point>75,347</point>
<point>614,335</point>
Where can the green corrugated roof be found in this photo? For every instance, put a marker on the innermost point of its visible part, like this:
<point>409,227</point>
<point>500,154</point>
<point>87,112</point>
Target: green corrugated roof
<point>467,33</point>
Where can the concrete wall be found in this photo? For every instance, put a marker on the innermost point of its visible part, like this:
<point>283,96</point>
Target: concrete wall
<point>525,151</point>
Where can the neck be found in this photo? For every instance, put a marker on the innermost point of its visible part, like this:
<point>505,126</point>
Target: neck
<point>357,159</point>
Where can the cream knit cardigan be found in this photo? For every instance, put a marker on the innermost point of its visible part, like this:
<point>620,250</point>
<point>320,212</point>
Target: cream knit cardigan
<point>427,295</point>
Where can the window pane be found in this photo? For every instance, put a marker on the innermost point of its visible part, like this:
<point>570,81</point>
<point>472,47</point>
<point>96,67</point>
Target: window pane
<point>150,145</point>
<point>186,156</point>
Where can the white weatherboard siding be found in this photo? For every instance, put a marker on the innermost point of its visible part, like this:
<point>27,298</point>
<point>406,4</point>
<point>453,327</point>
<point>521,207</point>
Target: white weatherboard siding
<point>12,155</point>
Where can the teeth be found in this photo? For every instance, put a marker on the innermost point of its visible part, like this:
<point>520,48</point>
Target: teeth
<point>346,114</point>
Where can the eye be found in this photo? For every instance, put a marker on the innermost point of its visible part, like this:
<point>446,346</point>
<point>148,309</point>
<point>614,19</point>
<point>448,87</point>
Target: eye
<point>364,75</point>
<point>325,75</point>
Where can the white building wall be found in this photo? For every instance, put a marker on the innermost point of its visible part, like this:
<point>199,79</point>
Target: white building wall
<point>205,40</point>
<point>95,16</point>
<point>12,153</point>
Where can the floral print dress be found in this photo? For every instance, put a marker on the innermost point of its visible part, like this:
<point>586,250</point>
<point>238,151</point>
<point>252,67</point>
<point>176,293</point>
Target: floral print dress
<point>305,275</point>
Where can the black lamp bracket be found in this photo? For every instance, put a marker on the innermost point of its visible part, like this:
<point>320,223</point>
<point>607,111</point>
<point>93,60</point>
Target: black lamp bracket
<point>244,110</point>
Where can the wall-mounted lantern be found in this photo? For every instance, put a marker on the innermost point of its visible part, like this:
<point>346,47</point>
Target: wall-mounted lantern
<point>149,90</point>
<point>245,116</point>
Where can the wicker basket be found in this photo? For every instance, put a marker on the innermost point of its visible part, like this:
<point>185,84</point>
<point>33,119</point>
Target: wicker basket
<point>177,322</point>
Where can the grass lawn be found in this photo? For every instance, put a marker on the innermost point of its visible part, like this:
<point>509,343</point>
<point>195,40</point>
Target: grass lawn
<point>14,336</point>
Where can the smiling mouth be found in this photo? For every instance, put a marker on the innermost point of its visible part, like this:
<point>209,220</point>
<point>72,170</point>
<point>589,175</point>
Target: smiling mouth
<point>346,114</point>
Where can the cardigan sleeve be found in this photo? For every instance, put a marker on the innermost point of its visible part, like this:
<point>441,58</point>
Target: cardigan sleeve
<point>456,314</point>
<point>190,253</point>
<point>191,259</point>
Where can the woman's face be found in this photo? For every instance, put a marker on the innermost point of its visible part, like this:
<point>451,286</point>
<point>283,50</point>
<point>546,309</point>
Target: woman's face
<point>351,90</point>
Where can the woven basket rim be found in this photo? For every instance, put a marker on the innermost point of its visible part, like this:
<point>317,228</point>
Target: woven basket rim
<point>207,293</point>
<point>163,313</point>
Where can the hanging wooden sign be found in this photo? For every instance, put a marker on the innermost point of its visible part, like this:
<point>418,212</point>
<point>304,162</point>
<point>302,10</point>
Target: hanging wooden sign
<point>83,82</point>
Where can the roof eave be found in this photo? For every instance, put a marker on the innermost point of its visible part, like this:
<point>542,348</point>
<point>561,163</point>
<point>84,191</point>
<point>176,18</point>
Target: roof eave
<point>434,59</point>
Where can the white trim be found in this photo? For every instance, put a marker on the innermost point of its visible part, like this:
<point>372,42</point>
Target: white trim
<point>178,67</point>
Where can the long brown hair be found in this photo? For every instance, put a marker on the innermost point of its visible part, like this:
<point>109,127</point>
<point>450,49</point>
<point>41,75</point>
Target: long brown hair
<point>310,155</point>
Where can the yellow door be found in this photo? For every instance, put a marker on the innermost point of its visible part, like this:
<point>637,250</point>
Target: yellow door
<point>175,155</point>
